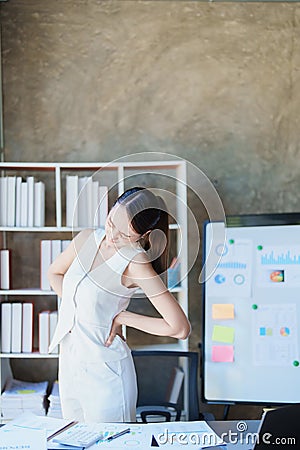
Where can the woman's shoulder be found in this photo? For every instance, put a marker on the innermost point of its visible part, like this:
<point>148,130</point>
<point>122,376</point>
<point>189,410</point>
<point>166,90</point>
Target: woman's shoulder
<point>81,238</point>
<point>140,264</point>
<point>84,234</point>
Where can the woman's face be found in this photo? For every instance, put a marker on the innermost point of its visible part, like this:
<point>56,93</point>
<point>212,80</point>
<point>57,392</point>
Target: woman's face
<point>118,229</point>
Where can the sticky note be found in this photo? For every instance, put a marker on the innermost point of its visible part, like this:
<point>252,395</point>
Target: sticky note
<point>222,353</point>
<point>222,311</point>
<point>223,334</point>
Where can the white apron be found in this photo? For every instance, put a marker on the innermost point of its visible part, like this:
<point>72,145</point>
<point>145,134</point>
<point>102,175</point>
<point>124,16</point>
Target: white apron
<point>97,383</point>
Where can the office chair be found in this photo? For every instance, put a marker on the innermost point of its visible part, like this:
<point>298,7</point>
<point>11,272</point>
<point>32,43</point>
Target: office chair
<point>155,377</point>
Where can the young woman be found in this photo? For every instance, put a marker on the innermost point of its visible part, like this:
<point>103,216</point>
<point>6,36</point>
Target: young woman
<point>95,277</point>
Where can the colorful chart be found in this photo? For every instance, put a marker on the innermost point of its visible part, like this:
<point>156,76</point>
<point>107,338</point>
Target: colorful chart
<point>277,276</point>
<point>285,331</point>
<point>280,258</point>
<point>220,279</point>
<point>232,265</point>
<point>265,331</point>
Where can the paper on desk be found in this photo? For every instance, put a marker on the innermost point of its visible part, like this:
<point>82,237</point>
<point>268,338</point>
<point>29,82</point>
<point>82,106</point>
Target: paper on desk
<point>17,439</point>
<point>185,435</point>
<point>139,437</point>
<point>29,421</point>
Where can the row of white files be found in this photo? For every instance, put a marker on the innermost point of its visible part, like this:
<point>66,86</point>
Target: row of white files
<point>17,328</point>
<point>86,202</point>
<point>49,251</point>
<point>47,325</point>
<point>22,202</point>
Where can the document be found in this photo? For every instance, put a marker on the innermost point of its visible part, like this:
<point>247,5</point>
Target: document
<point>29,422</point>
<point>138,437</point>
<point>19,439</point>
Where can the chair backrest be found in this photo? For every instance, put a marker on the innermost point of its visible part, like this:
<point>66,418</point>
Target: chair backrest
<point>153,369</point>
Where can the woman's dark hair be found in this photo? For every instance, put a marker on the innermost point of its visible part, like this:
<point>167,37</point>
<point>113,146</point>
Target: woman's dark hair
<point>146,212</point>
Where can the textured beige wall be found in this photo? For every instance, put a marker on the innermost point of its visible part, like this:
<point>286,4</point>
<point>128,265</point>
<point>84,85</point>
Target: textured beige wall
<point>217,84</point>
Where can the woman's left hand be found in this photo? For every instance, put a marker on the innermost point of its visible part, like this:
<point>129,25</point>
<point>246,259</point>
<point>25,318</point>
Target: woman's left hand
<point>116,329</point>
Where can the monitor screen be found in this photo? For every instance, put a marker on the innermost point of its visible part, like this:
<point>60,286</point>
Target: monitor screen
<point>251,333</point>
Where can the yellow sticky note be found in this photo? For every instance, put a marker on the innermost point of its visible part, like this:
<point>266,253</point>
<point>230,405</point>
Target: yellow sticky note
<point>223,334</point>
<point>222,311</point>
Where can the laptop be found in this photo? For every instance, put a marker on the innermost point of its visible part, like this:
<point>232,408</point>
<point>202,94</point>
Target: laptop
<point>279,429</point>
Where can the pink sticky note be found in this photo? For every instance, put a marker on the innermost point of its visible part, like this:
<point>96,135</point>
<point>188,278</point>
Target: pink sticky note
<point>222,353</point>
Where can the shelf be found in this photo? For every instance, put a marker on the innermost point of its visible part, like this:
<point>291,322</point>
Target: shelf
<point>88,165</point>
<point>172,226</point>
<point>41,229</point>
<point>26,292</point>
<point>53,175</point>
<point>35,355</point>
<point>138,292</point>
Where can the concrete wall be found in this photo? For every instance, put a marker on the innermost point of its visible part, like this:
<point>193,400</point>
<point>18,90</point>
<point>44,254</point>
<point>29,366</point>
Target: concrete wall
<point>217,84</point>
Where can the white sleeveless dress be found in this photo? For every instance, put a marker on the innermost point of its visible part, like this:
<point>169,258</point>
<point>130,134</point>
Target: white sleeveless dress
<point>97,383</point>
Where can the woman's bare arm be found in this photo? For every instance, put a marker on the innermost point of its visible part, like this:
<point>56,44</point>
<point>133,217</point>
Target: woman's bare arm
<point>173,321</point>
<point>61,264</point>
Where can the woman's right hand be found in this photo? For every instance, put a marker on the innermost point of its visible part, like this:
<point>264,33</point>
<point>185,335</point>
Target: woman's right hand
<point>116,329</point>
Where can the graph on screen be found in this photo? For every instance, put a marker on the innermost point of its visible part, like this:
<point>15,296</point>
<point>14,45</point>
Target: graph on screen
<point>251,333</point>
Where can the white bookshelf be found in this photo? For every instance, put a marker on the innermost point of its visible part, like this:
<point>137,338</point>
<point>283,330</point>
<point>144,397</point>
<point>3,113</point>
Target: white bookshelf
<point>118,177</point>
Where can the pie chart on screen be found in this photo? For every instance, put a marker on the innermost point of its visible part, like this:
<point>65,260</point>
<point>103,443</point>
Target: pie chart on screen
<point>285,331</point>
<point>277,276</point>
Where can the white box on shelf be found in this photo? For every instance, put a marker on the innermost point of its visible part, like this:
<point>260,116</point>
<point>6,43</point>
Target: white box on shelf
<point>39,204</point>
<point>16,328</point>
<point>27,327</point>
<point>30,209</point>
<point>103,205</point>
<point>6,319</point>
<point>24,204</point>
<point>55,249</point>
<point>18,201</point>
<point>11,201</point>
<point>3,201</point>
<point>44,331</point>
<point>45,260</point>
<point>5,269</point>
<point>53,317</point>
<point>72,200</point>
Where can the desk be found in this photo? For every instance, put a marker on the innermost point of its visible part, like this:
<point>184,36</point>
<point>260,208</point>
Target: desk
<point>231,432</point>
<point>238,434</point>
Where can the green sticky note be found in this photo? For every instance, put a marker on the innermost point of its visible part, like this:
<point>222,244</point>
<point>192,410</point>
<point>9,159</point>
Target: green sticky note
<point>223,334</point>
